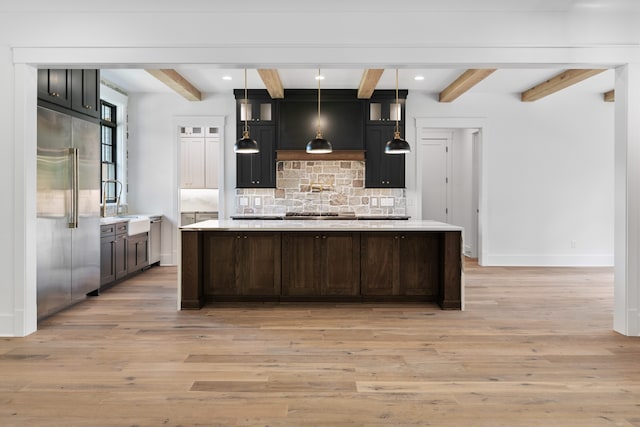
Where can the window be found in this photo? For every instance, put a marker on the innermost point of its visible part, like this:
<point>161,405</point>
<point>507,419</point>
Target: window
<point>108,144</point>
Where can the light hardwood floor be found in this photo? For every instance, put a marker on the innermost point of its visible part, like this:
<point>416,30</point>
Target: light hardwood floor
<point>535,347</point>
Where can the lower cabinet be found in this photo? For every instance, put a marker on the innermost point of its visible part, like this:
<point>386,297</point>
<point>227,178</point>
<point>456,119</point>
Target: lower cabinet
<point>137,252</point>
<point>401,264</point>
<point>321,264</point>
<point>121,259</point>
<point>242,264</point>
<point>121,254</point>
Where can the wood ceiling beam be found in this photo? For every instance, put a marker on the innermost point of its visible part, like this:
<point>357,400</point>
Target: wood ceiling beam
<point>557,83</point>
<point>609,96</point>
<point>368,82</point>
<point>175,81</point>
<point>464,82</point>
<point>272,82</point>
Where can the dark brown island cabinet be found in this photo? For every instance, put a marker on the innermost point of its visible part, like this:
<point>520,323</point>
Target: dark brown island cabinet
<point>321,265</point>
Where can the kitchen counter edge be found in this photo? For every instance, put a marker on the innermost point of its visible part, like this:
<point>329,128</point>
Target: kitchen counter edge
<point>307,225</point>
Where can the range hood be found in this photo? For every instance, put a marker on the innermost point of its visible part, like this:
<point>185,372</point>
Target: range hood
<point>284,155</point>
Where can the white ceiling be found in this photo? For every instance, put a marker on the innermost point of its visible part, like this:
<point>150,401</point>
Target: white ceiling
<point>210,80</point>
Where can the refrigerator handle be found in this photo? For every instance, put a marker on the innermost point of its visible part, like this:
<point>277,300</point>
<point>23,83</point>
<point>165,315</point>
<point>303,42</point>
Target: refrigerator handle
<point>73,221</point>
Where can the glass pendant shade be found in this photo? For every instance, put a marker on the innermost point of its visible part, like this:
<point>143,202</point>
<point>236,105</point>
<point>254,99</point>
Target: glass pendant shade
<point>246,145</point>
<point>397,145</point>
<point>319,145</point>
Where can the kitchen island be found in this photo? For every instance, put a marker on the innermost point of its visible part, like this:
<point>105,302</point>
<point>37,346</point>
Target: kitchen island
<point>321,260</point>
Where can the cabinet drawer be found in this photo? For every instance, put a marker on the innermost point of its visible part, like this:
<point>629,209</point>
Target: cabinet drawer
<point>122,227</point>
<point>107,230</point>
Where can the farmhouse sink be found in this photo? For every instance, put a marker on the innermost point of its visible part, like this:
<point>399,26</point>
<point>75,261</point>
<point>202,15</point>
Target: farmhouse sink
<point>137,224</point>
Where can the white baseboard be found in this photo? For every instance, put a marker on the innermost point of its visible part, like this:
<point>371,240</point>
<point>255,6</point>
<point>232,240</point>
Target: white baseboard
<point>548,260</point>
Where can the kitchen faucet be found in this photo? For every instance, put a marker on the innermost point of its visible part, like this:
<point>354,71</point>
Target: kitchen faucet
<point>103,208</point>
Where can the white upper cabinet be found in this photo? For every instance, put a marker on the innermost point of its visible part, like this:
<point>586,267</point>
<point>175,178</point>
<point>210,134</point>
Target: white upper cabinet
<point>200,157</point>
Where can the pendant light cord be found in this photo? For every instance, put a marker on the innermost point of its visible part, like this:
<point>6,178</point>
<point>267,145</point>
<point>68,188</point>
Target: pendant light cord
<point>397,106</point>
<point>318,132</point>
<point>246,102</point>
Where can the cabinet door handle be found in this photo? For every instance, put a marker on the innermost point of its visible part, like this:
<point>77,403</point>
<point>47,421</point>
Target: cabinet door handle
<point>402,237</point>
<point>317,237</point>
<point>54,94</point>
<point>324,237</point>
<point>88,107</point>
<point>395,237</point>
<point>245,237</point>
<point>237,237</point>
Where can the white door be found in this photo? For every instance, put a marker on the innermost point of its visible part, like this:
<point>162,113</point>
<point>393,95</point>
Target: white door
<point>432,172</point>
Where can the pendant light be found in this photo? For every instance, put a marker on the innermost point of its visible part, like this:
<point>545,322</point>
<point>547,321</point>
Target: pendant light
<point>246,145</point>
<point>319,145</point>
<point>397,145</point>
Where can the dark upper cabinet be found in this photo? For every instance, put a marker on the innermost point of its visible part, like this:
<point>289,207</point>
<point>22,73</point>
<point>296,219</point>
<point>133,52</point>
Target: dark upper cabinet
<point>382,112</point>
<point>54,86</point>
<point>73,90</point>
<point>259,109</point>
<point>382,108</point>
<point>85,92</point>
<point>382,170</point>
<point>341,119</point>
<point>258,170</point>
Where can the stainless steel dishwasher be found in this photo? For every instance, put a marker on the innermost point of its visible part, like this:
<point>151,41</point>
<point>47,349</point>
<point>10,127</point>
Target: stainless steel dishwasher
<point>155,239</point>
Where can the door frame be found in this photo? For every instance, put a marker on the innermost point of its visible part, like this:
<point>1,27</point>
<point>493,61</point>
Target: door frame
<point>481,124</point>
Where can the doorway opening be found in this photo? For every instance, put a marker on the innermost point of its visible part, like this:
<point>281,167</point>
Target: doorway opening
<point>449,180</point>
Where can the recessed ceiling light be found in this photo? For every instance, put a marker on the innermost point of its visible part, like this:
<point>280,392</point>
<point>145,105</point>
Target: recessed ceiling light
<point>418,78</point>
<point>319,77</point>
<point>226,78</point>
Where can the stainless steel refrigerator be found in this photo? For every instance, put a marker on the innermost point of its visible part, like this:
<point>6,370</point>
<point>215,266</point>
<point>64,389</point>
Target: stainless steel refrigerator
<point>68,206</point>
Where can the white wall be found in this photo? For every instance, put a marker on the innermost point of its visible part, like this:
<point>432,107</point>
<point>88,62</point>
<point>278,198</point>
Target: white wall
<point>548,175</point>
<point>153,154</point>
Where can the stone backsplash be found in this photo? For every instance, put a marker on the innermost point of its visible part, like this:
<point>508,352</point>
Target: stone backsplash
<point>320,186</point>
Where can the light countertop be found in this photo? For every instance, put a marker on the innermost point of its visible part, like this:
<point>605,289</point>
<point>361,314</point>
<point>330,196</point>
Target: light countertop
<point>320,225</point>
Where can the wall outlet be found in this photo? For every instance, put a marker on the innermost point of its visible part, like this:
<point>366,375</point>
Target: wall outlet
<point>257,201</point>
<point>244,201</point>
<point>374,202</point>
<point>386,201</point>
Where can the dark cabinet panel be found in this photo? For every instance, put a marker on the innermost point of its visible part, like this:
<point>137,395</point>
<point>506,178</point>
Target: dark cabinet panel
<point>107,259</point>
<point>137,252</point>
<point>299,264</point>
<point>262,251</point>
<point>419,266</point>
<point>258,170</point>
<point>321,264</point>
<point>54,86</point>
<point>85,92</point>
<point>241,264</point>
<point>340,264</point>
<point>220,255</point>
<point>378,261</point>
<point>122,259</point>
<point>342,123</point>
<point>382,170</point>
<point>401,264</point>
